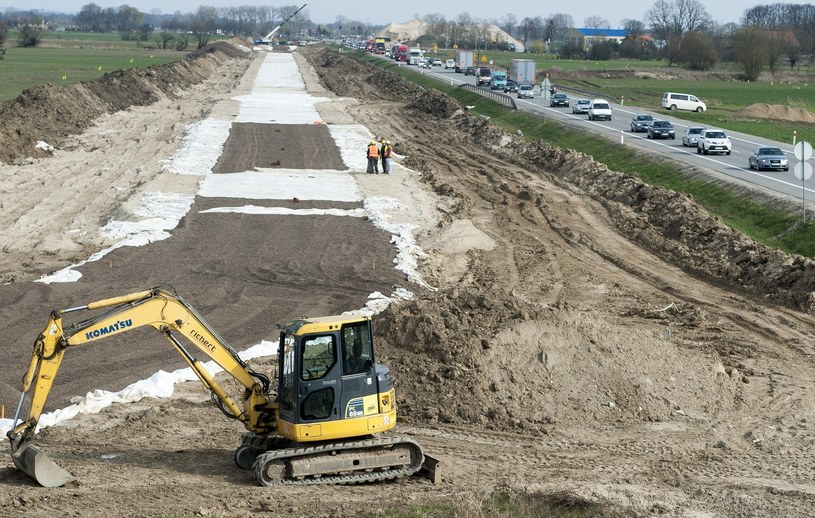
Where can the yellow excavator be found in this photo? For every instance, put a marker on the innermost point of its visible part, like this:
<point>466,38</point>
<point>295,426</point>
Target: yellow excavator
<point>317,425</point>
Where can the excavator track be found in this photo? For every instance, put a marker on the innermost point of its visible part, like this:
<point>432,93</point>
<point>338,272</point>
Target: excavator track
<point>353,462</point>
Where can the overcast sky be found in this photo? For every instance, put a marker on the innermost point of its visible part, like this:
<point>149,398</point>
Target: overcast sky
<point>324,11</point>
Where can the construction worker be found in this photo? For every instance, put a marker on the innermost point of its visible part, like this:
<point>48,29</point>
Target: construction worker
<point>373,158</point>
<point>386,151</point>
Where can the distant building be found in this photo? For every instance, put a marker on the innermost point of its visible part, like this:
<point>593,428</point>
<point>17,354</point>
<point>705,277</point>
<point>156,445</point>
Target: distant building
<point>588,37</point>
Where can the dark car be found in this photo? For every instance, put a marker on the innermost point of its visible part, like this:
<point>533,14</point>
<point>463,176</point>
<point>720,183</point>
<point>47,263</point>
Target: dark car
<point>511,86</point>
<point>559,100</point>
<point>661,129</point>
<point>469,71</point>
<point>640,122</point>
<point>768,158</point>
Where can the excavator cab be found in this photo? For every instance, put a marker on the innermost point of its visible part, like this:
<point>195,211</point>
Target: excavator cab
<point>330,386</point>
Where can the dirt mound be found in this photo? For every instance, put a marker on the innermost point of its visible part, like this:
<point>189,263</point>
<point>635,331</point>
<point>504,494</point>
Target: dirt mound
<point>52,113</point>
<point>356,79</point>
<point>235,48</point>
<point>666,222</point>
<point>435,103</point>
<point>777,112</point>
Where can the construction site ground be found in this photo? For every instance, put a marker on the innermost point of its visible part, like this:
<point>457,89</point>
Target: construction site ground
<point>584,338</point>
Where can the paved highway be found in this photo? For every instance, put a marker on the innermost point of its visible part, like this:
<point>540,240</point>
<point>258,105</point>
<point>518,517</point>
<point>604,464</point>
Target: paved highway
<point>733,168</point>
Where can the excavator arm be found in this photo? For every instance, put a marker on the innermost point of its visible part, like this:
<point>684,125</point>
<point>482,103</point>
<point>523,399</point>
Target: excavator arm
<point>170,315</point>
<point>268,37</point>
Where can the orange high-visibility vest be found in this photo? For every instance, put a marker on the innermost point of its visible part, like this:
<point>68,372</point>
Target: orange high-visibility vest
<point>373,151</point>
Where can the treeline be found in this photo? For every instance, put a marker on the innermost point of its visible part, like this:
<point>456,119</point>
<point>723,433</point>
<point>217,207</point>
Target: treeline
<point>167,30</point>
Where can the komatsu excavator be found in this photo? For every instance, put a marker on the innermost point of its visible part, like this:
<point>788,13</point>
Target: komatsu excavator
<point>317,425</point>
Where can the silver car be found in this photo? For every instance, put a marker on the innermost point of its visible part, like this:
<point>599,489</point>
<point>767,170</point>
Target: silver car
<point>581,106</point>
<point>525,91</point>
<point>768,158</point>
<point>691,135</point>
<point>641,121</point>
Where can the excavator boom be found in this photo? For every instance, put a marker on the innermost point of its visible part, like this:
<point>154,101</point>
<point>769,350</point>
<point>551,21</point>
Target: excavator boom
<point>268,38</point>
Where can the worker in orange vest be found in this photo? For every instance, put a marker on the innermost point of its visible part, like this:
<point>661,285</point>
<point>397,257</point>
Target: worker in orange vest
<point>386,151</point>
<point>373,158</point>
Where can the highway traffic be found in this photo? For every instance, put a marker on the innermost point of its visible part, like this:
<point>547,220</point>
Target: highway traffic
<point>732,168</point>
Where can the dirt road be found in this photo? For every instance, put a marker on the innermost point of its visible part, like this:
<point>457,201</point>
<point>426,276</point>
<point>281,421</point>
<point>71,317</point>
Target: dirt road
<point>590,337</point>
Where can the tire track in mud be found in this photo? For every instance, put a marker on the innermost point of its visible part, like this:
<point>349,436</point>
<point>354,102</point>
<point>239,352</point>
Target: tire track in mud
<point>644,460</point>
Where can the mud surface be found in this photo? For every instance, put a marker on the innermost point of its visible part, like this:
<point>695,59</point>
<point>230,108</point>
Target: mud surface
<point>589,335</point>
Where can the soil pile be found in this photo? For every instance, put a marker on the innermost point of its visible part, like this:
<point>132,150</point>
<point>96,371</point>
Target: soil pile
<point>777,112</point>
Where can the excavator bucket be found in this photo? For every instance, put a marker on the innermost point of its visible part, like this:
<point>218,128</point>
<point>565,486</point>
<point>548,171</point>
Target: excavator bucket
<point>35,463</point>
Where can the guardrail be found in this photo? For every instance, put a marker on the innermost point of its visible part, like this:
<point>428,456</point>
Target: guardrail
<point>504,99</point>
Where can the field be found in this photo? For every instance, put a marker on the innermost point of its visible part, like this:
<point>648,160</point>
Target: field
<point>71,57</point>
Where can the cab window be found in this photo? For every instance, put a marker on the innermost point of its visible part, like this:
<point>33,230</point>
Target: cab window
<point>318,357</point>
<point>357,349</point>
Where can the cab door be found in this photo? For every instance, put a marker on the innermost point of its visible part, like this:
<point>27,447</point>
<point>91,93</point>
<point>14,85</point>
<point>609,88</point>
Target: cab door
<point>310,378</point>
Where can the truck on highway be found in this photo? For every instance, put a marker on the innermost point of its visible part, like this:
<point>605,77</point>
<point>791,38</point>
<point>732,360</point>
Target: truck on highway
<point>400,53</point>
<point>521,71</point>
<point>414,56</point>
<point>464,59</point>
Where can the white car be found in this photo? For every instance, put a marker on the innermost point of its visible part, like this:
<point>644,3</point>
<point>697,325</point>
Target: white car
<point>436,62</point>
<point>525,91</point>
<point>450,63</point>
<point>713,141</point>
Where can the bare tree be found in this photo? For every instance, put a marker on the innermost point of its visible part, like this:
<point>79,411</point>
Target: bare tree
<point>790,30</point>
<point>465,25</point>
<point>527,29</point>
<point>633,28</point>
<point>670,20</point>
<point>508,23</point>
<point>636,45</point>
<point>596,22</point>
<point>751,53</point>
<point>436,24</point>
<point>556,26</point>
<point>164,39</point>
<point>203,25</point>
<point>30,32</point>
<point>698,51</point>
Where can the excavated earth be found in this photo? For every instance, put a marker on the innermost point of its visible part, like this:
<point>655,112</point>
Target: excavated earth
<point>588,338</point>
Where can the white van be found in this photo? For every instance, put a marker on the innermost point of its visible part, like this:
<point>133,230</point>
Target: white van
<point>672,101</point>
<point>599,109</point>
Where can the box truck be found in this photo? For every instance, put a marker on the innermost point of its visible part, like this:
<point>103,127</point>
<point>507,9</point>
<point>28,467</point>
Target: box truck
<point>522,71</point>
<point>464,59</point>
